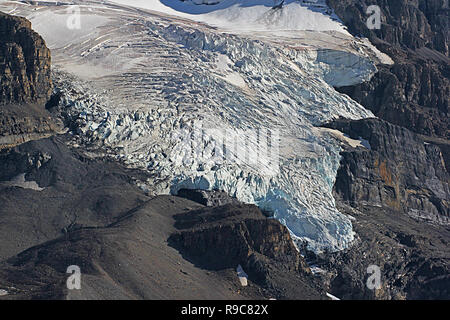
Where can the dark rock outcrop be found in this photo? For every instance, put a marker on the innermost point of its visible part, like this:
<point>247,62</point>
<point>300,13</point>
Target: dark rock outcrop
<point>231,235</point>
<point>413,258</point>
<point>398,193</point>
<point>405,23</point>
<point>25,83</point>
<point>402,181</point>
<point>207,198</point>
<point>414,92</point>
<point>24,63</point>
<point>400,172</point>
<point>22,123</point>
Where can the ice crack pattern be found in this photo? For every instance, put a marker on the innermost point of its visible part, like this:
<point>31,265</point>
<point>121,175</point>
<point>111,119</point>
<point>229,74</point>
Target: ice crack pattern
<point>174,74</point>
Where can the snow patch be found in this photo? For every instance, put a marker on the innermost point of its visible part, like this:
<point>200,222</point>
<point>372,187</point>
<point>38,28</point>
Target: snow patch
<point>19,181</point>
<point>345,138</point>
<point>243,277</point>
<point>329,295</point>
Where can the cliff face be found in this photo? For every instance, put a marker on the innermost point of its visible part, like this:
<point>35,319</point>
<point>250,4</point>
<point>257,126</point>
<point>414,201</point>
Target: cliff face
<point>391,189</point>
<point>399,172</point>
<point>25,83</point>
<point>412,24</point>
<point>402,180</point>
<point>24,63</point>
<point>218,238</point>
<point>414,92</point>
<point>413,258</point>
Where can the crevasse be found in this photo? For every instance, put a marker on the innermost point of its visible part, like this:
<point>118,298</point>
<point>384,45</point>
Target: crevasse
<point>160,92</point>
<point>238,84</point>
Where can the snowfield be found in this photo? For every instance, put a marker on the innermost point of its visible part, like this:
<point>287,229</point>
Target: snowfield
<point>161,87</point>
<point>249,15</point>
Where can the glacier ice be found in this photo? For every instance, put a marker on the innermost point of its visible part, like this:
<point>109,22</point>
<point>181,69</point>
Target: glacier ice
<point>159,77</point>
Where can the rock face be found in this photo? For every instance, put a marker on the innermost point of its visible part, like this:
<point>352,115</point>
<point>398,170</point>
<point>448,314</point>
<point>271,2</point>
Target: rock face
<point>413,24</point>
<point>397,190</point>
<point>413,258</point>
<point>399,172</point>
<point>207,198</point>
<point>231,235</point>
<point>25,83</point>
<point>402,181</point>
<point>414,92</point>
<point>24,63</point>
<point>22,123</point>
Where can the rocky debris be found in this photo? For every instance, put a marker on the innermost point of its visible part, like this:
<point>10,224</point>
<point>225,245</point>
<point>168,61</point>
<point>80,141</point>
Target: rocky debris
<point>214,198</point>
<point>25,75</point>
<point>79,191</point>
<point>400,172</point>
<point>414,92</point>
<point>15,161</point>
<point>240,235</point>
<point>19,124</point>
<point>413,258</point>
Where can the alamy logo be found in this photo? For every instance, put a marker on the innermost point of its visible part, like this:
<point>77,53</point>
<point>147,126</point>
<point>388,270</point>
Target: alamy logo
<point>74,19</point>
<point>374,20</point>
<point>374,280</point>
<point>74,280</point>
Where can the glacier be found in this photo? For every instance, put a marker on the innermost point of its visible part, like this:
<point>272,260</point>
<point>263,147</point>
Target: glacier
<point>161,92</point>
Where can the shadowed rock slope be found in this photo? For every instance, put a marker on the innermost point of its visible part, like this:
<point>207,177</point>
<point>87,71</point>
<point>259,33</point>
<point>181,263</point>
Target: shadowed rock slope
<point>413,92</point>
<point>71,191</point>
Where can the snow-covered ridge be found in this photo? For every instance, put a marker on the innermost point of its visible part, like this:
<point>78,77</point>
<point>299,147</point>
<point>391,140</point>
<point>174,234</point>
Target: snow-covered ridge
<point>250,15</point>
<point>146,77</point>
